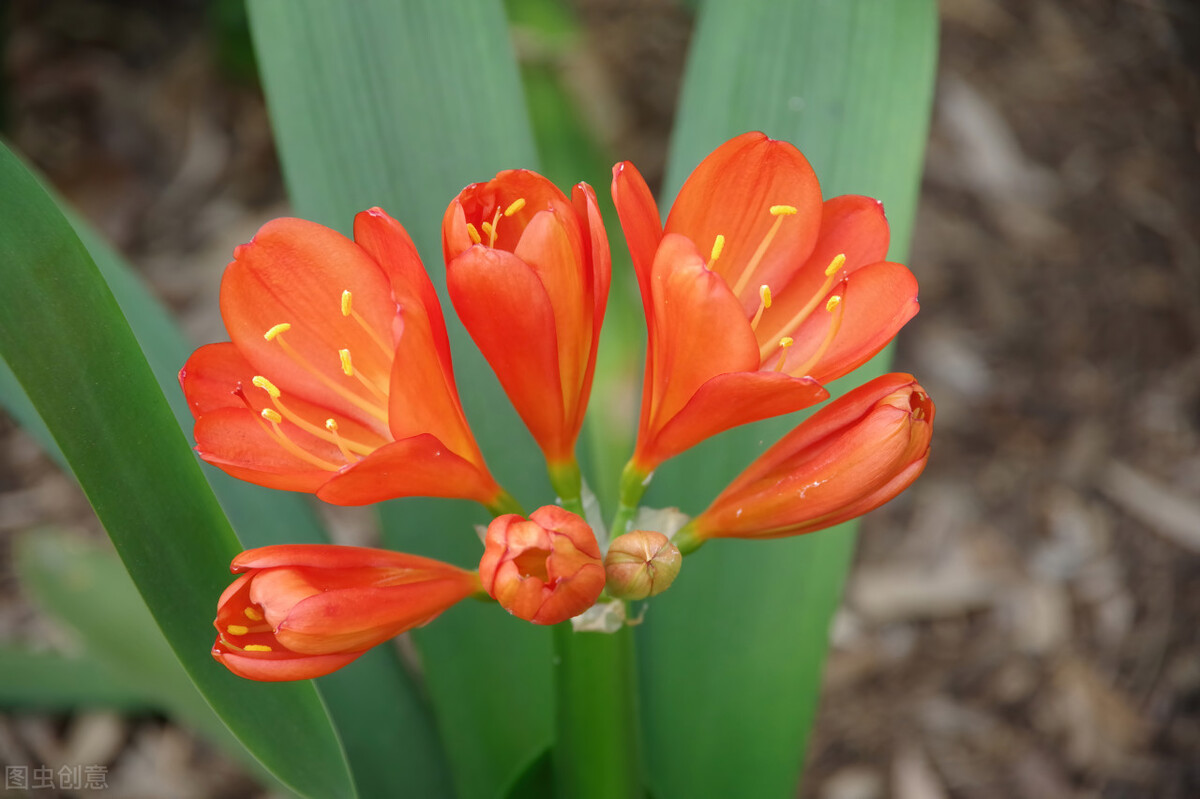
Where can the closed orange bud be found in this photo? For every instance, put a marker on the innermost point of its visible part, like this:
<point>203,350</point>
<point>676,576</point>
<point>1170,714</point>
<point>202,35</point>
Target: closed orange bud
<point>544,570</point>
<point>850,457</point>
<point>302,611</point>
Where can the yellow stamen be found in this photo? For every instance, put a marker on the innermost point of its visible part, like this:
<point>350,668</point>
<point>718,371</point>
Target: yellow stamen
<point>374,409</point>
<point>281,437</point>
<point>516,206</point>
<point>794,323</point>
<point>837,263</point>
<point>332,426</point>
<point>347,366</point>
<point>474,234</point>
<point>838,310</point>
<point>779,212</point>
<point>784,344</point>
<point>257,648</point>
<point>350,371</point>
<point>348,310</point>
<point>491,229</point>
<point>275,331</point>
<point>252,614</point>
<point>764,302</point>
<point>266,385</point>
<point>237,629</point>
<point>718,246</point>
<point>488,230</point>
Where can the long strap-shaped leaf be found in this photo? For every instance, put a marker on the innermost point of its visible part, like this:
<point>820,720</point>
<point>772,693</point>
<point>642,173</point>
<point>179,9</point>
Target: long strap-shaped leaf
<point>68,344</point>
<point>401,105</point>
<point>731,656</point>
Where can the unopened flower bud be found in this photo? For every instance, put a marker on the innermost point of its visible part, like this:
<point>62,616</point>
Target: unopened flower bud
<point>641,564</point>
<point>544,570</point>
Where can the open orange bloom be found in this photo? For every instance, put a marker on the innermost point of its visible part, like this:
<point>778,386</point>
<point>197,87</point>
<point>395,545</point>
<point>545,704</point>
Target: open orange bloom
<point>528,272</point>
<point>338,379</point>
<point>848,458</point>
<point>756,292</point>
<point>302,611</point>
<point>544,570</point>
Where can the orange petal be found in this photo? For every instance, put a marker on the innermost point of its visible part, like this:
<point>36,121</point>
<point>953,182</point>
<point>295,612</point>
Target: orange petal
<point>362,617</point>
<point>281,666</point>
<point>599,268</point>
<point>640,222</point>
<point>878,300</point>
<point>386,240</point>
<point>235,441</point>
<point>417,466</point>
<point>331,556</point>
<point>730,194</point>
<point>726,401</point>
<point>851,225</point>
<point>211,376</point>
<point>506,309</point>
<point>294,272</point>
<point>700,330</point>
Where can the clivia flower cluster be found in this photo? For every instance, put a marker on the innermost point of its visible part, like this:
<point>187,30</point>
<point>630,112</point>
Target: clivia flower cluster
<point>338,381</point>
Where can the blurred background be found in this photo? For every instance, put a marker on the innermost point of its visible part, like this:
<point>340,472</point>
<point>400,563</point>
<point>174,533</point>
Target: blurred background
<point>1023,622</point>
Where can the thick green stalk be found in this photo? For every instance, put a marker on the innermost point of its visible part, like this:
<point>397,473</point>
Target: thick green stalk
<point>633,484</point>
<point>597,745</point>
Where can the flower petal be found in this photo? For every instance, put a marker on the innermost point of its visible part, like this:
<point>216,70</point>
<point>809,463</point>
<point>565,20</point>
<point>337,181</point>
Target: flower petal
<point>236,441</point>
<point>417,466</point>
<point>726,401</point>
<point>281,666</point>
<point>877,301</point>
<point>640,222</point>
<point>700,330</point>
<point>500,300</point>
<point>294,272</point>
<point>331,556</point>
<point>730,194</point>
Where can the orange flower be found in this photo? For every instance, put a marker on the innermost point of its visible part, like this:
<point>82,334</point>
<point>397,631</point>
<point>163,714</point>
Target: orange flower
<point>544,570</point>
<point>338,379</point>
<point>302,611</point>
<point>848,458</point>
<point>528,272</point>
<point>756,292</point>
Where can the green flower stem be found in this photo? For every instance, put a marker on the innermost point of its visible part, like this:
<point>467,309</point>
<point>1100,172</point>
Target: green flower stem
<point>633,484</point>
<point>568,485</point>
<point>597,744</point>
<point>503,503</point>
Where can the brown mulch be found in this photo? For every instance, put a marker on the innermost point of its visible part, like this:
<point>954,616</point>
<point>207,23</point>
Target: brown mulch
<point>1022,623</point>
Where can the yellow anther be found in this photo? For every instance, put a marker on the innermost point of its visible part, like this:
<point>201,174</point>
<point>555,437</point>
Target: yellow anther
<point>237,629</point>
<point>487,229</point>
<point>347,366</point>
<point>516,205</point>
<point>783,210</point>
<point>474,234</point>
<point>271,415</point>
<point>257,648</point>
<point>764,302</point>
<point>347,300</point>
<point>833,302</point>
<point>331,425</point>
<point>275,331</point>
<point>837,263</point>
<point>252,614</point>
<point>784,343</point>
<point>266,385</point>
<point>718,246</point>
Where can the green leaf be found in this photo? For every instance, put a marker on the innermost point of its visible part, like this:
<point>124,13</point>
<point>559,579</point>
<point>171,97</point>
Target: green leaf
<point>47,681</point>
<point>732,655</point>
<point>400,105</point>
<point>64,337</point>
